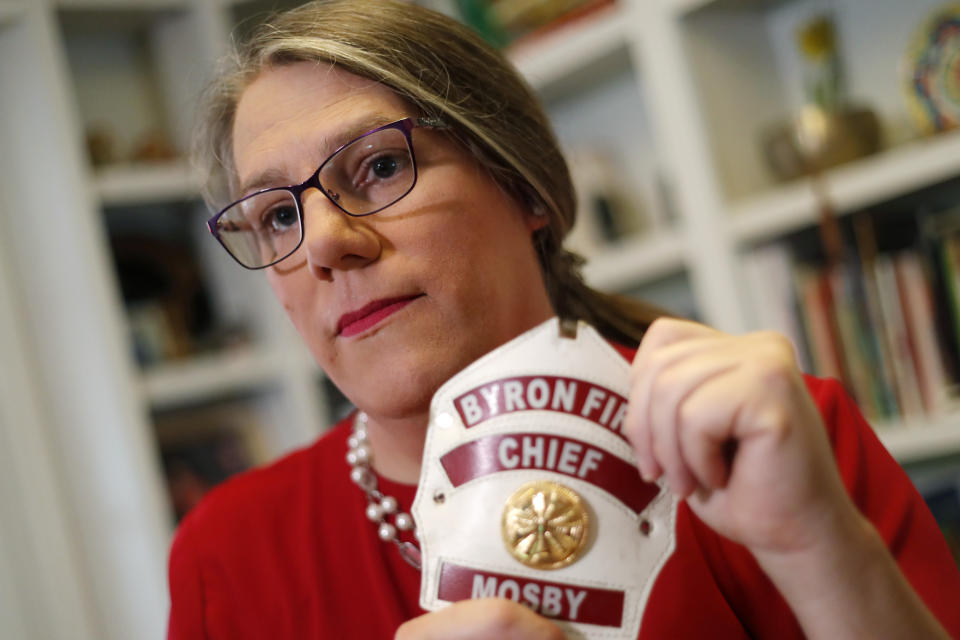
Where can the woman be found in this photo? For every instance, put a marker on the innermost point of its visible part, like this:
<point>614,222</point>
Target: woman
<point>425,230</point>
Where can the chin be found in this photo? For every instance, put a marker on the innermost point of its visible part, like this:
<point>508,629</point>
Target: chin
<point>404,386</point>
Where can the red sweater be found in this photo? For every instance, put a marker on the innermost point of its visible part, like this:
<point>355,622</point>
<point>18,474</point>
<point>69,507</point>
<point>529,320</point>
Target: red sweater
<point>287,552</point>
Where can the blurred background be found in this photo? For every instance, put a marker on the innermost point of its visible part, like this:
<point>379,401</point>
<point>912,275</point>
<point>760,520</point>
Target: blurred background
<point>780,164</point>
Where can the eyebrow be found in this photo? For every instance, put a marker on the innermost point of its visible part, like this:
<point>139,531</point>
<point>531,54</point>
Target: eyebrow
<point>274,177</point>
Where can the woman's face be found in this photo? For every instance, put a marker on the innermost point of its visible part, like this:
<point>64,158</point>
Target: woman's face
<point>391,305</point>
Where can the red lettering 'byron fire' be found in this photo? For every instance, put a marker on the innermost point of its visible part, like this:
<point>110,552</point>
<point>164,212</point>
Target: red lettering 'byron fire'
<point>543,393</point>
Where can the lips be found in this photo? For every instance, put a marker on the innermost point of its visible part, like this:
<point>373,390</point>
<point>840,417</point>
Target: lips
<point>354,322</point>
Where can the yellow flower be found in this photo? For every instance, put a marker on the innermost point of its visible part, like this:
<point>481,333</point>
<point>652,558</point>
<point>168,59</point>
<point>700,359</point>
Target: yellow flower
<point>817,39</point>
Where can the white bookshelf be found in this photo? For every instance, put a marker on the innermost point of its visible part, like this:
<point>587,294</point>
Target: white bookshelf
<point>682,7</point>
<point>872,180</point>
<point>922,439</point>
<point>145,183</point>
<point>635,260</point>
<point>232,371</point>
<point>551,58</point>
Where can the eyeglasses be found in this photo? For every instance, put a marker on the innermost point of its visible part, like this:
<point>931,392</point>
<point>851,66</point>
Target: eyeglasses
<point>362,177</point>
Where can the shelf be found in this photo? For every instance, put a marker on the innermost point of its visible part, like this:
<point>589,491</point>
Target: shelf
<point>207,376</point>
<point>911,442</point>
<point>683,7</point>
<point>874,179</point>
<point>146,183</point>
<point>635,261</point>
<point>546,60</point>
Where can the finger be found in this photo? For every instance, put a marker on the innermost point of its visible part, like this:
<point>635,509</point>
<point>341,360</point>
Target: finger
<point>707,441</point>
<point>637,426</point>
<point>667,423</point>
<point>725,410</point>
<point>480,619</point>
<point>666,331</point>
<point>637,430</point>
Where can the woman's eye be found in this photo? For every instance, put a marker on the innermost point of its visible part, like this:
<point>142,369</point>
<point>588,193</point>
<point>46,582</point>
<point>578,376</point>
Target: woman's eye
<point>281,218</point>
<point>385,166</point>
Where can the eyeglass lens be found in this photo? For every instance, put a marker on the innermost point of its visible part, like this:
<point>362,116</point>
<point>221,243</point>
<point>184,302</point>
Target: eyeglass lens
<point>365,176</point>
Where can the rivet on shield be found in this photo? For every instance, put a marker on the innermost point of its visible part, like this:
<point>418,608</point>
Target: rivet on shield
<point>646,527</point>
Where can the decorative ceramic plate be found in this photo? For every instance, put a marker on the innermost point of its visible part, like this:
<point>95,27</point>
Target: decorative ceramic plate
<point>933,71</point>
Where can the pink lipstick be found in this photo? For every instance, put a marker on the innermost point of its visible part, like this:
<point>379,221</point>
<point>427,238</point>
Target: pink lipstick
<point>358,321</point>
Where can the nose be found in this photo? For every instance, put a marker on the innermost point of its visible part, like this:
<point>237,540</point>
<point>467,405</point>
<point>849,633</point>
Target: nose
<point>333,240</point>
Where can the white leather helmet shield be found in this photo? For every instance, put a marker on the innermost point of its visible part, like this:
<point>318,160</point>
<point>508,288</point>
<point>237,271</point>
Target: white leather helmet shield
<point>529,491</point>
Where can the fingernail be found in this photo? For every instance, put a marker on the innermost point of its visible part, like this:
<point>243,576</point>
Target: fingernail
<point>642,468</point>
<point>646,474</point>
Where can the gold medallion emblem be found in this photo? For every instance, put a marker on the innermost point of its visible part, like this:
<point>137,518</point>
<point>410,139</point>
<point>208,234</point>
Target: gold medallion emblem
<point>545,525</point>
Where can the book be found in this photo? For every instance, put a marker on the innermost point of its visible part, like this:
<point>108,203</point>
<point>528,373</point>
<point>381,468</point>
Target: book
<point>855,348</point>
<point>950,265</point>
<point>897,340</point>
<point>813,292</point>
<point>935,229</point>
<point>916,297</point>
<point>880,344</point>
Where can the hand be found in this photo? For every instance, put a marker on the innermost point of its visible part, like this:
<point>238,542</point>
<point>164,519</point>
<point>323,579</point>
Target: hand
<point>729,422</point>
<point>480,619</point>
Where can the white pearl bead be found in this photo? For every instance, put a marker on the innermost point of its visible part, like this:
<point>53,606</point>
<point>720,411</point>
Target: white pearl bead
<point>358,475</point>
<point>363,453</point>
<point>404,522</point>
<point>358,456</point>
<point>386,532</point>
<point>388,504</point>
<point>374,512</point>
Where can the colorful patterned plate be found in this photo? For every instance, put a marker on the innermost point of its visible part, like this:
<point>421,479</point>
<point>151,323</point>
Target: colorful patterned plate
<point>933,71</point>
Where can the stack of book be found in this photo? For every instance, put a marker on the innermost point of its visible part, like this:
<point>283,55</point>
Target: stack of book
<point>885,323</point>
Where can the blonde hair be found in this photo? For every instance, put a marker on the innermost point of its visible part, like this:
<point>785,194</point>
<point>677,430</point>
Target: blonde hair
<point>445,70</point>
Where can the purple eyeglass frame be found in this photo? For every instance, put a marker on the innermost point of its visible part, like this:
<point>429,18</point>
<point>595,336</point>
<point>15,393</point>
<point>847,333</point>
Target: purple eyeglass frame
<point>406,126</point>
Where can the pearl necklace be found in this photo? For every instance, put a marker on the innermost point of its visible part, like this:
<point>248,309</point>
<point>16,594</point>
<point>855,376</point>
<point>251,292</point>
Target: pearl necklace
<point>379,506</point>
